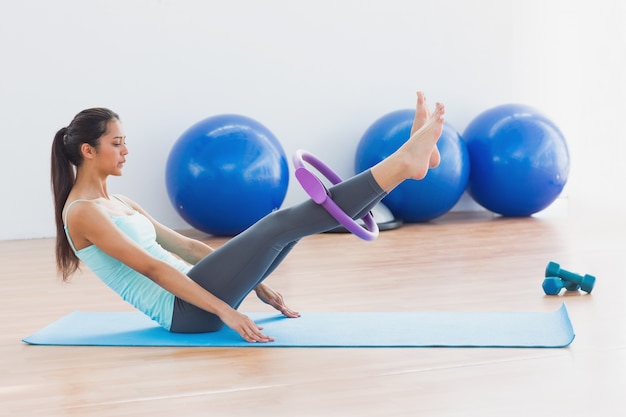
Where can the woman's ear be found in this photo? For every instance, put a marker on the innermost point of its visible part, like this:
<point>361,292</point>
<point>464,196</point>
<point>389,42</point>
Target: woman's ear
<point>88,151</point>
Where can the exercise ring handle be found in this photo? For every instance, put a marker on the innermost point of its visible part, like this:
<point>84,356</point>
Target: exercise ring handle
<point>316,190</point>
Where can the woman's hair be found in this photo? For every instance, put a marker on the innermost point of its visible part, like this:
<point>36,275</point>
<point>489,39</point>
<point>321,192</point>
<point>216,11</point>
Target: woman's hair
<point>87,127</point>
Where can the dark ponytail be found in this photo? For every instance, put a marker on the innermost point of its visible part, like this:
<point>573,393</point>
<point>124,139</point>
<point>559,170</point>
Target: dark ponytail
<point>62,180</point>
<point>87,127</point>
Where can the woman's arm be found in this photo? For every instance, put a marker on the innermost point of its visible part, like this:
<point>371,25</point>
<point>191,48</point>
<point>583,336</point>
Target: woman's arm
<point>89,222</point>
<point>191,250</point>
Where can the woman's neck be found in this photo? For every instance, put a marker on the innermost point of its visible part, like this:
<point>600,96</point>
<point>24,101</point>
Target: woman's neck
<point>89,187</point>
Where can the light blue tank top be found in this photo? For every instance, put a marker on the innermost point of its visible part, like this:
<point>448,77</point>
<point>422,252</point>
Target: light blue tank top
<point>135,288</point>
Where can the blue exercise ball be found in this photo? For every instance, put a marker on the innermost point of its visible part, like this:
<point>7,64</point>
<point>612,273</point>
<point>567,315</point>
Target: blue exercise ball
<point>520,160</point>
<point>424,200</point>
<point>226,172</point>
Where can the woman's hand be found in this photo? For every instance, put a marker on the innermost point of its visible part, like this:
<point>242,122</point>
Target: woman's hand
<point>243,325</point>
<point>273,298</point>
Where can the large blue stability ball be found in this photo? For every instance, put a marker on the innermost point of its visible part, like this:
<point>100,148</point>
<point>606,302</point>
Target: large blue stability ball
<point>520,161</point>
<point>439,191</point>
<point>226,172</point>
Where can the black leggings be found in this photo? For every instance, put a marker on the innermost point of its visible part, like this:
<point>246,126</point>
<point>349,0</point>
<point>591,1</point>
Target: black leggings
<point>233,270</point>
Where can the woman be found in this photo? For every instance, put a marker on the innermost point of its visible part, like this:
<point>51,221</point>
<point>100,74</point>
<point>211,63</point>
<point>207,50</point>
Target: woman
<point>200,289</point>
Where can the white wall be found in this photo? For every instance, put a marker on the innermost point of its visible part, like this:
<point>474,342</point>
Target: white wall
<point>315,73</point>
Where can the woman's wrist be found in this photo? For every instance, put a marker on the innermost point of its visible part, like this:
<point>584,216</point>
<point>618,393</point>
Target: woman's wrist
<point>222,309</point>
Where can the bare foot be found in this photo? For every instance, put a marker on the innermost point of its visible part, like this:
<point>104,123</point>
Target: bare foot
<point>414,158</point>
<point>422,113</point>
<point>421,148</point>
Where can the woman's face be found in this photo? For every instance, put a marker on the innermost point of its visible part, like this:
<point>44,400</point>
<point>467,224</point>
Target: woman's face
<point>111,153</point>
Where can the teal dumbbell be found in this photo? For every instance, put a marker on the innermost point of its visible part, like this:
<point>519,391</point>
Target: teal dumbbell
<point>554,285</point>
<point>552,271</point>
<point>557,279</point>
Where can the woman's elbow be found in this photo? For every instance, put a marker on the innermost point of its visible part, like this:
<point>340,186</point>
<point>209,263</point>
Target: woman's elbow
<point>154,269</point>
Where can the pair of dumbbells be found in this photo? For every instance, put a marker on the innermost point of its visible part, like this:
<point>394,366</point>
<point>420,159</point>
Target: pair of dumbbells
<point>557,279</point>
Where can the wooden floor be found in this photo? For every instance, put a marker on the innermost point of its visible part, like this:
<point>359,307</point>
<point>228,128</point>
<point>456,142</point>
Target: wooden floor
<point>457,263</point>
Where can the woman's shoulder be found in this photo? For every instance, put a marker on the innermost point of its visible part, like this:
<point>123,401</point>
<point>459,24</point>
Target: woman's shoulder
<point>80,207</point>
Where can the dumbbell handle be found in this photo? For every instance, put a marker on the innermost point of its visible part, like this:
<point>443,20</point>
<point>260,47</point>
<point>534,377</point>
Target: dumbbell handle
<point>554,270</point>
<point>570,276</point>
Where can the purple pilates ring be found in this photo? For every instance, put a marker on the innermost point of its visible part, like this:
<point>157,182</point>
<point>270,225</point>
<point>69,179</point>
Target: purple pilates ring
<point>316,190</point>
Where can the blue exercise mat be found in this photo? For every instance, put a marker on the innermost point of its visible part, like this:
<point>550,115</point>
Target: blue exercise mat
<point>406,329</point>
